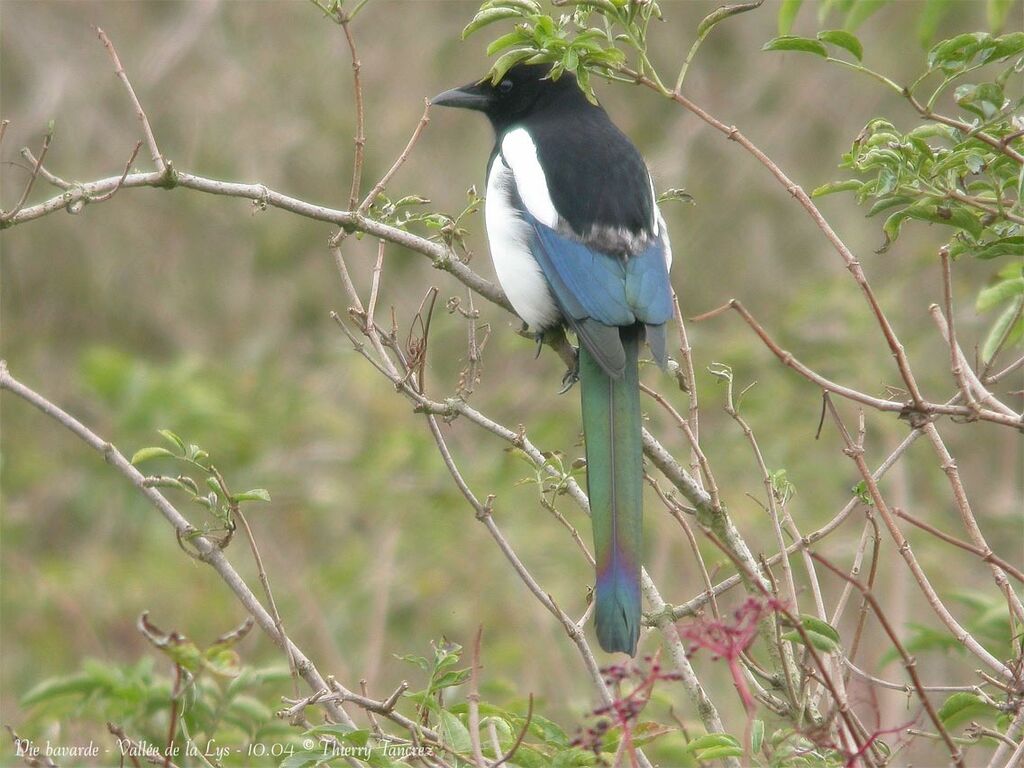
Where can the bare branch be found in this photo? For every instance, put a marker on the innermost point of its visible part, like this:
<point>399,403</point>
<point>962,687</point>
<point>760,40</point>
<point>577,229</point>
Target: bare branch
<point>922,407</point>
<point>473,699</point>
<point>856,453</point>
<point>127,167</point>
<point>987,556</point>
<point>8,216</point>
<point>357,89</point>
<point>379,186</point>
<point>147,130</point>
<point>908,661</point>
<point>208,551</point>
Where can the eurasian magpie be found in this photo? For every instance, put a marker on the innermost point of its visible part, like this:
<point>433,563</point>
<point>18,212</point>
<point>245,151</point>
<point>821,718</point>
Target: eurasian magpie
<point>577,240</point>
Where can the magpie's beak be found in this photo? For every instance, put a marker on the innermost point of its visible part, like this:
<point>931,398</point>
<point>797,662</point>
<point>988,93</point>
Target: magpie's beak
<point>472,96</point>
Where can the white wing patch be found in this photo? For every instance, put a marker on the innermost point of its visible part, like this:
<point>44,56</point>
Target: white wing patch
<point>520,154</point>
<point>509,237</point>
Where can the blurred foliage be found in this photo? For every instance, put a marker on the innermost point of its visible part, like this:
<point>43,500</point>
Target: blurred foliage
<point>172,311</point>
<point>961,181</point>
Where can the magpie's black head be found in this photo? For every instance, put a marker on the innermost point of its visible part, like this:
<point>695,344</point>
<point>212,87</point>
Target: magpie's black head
<point>525,89</point>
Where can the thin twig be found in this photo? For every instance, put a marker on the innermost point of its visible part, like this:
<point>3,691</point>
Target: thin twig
<point>908,687</point>
<point>908,661</point>
<point>696,603</point>
<point>127,167</point>
<point>922,407</point>
<point>968,381</point>
<point>691,436</point>
<point>147,130</point>
<point>265,582</point>
<point>963,506</point>
<point>51,178</point>
<point>963,127</point>
<point>357,90</point>
<point>519,739</point>
<point>473,700</point>
<point>856,453</point>
<point>988,556</point>
<point>956,362</point>
<point>380,185</point>
<point>9,215</point>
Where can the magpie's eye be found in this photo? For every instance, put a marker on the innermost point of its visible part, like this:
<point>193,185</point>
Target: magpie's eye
<point>504,87</point>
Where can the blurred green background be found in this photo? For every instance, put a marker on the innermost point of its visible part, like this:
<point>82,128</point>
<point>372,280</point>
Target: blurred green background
<point>202,315</point>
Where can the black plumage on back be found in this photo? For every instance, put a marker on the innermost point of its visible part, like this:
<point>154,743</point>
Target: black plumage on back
<point>596,177</point>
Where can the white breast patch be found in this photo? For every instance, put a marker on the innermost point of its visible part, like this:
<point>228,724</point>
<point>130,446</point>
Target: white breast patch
<point>509,237</point>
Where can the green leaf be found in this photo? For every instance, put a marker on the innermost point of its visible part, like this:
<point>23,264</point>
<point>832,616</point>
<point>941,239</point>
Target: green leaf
<point>996,294</point>
<point>255,494</point>
<point>832,187</point>
<point>529,6</point>
<point>1004,246</point>
<point>791,43</point>
<point>489,16</point>
<point>963,707</point>
<point>716,753</point>
<point>55,687</point>
<point>455,734</point>
<point>821,642</point>
<point>303,759</point>
<point>505,41</point>
<point>1009,325</point>
<point>648,731</point>
<point>721,14</point>
<point>996,12</point>
<point>787,15</point>
<point>861,11</point>
<point>937,214</point>
<point>173,439</point>
<point>166,482</point>
<point>887,202</point>
<point>152,452</point>
<point>546,730</point>
<point>819,633</point>
<point>1003,47</point>
<point>956,53</point>
<point>712,741</point>
<point>185,654</point>
<point>508,60</point>
<point>222,661</point>
<point>843,39</point>
<point>756,736</point>
<point>985,100</point>
<point>823,628</point>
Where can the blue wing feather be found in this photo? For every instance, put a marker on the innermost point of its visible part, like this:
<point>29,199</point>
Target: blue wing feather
<point>598,292</point>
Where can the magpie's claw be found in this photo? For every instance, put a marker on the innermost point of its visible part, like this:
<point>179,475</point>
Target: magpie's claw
<point>572,375</point>
<point>539,338</point>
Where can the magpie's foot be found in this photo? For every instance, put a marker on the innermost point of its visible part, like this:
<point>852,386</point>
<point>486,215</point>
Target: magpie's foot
<point>539,338</point>
<point>572,375</point>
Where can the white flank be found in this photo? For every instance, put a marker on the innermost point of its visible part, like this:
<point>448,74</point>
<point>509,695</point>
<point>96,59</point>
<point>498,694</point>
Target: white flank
<point>520,155</point>
<point>509,237</point>
<point>656,221</point>
<point>664,236</point>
